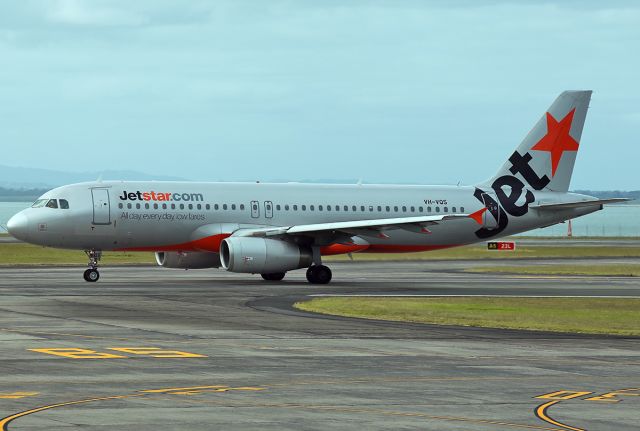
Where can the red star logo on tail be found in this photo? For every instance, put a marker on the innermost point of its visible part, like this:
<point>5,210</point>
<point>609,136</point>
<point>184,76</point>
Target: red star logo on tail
<point>557,140</point>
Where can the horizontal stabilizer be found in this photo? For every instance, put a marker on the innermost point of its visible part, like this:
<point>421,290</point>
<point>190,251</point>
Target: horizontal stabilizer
<point>578,204</point>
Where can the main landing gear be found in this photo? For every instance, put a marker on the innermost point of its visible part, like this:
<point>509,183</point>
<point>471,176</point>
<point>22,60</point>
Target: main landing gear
<point>318,274</point>
<point>91,274</point>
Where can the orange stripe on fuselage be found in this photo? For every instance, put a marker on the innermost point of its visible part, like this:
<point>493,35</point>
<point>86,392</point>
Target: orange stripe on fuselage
<point>212,244</point>
<point>209,243</point>
<point>342,249</point>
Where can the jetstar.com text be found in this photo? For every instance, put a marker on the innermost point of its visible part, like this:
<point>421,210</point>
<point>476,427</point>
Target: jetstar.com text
<point>158,196</point>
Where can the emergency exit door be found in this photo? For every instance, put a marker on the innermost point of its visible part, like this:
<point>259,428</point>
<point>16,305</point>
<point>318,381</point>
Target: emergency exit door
<point>101,206</point>
<point>268,209</point>
<point>255,209</point>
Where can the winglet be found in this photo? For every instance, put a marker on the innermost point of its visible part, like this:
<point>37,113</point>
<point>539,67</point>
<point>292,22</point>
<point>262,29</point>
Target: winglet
<point>477,216</point>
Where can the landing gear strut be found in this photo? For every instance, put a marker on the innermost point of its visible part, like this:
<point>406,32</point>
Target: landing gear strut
<point>91,274</point>
<point>318,273</point>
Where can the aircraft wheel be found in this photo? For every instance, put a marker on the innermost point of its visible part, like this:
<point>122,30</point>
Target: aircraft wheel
<point>276,276</point>
<point>319,274</point>
<point>91,275</point>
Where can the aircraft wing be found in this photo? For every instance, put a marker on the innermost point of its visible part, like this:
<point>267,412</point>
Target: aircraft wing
<point>373,227</point>
<point>578,204</point>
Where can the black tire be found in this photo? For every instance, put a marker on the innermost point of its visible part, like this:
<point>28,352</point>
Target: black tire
<point>275,276</point>
<point>311,274</point>
<point>319,274</point>
<point>92,275</point>
<point>85,275</point>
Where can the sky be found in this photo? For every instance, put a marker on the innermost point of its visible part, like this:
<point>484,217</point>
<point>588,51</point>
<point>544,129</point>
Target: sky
<point>394,91</point>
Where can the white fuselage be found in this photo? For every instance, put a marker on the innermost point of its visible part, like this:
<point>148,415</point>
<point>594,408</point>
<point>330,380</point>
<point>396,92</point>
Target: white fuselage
<point>186,216</point>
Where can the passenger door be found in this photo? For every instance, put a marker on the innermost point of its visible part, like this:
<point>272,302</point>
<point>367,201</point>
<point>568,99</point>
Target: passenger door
<point>101,206</point>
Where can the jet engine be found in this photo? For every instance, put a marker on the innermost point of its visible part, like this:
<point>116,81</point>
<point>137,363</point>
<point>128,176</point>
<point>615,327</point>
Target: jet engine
<point>262,256</point>
<point>188,260</point>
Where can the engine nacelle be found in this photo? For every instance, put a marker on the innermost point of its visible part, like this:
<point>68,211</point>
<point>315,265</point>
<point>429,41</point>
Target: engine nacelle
<point>187,260</point>
<point>262,256</point>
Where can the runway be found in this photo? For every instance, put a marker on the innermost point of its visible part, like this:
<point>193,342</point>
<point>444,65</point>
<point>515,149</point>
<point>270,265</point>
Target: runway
<point>154,349</point>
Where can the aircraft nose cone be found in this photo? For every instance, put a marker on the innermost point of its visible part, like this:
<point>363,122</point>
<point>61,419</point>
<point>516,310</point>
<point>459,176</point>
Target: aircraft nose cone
<point>18,226</point>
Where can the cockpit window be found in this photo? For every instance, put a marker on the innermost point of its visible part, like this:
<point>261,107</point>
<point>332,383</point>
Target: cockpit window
<point>64,204</point>
<point>52,203</point>
<point>39,203</point>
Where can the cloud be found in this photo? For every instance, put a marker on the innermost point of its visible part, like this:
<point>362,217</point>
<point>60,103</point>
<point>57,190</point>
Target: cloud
<point>90,13</point>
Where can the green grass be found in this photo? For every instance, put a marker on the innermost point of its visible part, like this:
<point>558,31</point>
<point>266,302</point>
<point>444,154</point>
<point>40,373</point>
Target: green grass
<point>481,252</point>
<point>27,254</point>
<point>627,270</point>
<point>575,315</point>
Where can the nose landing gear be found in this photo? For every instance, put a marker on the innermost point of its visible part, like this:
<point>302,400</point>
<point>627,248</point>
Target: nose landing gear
<point>91,274</point>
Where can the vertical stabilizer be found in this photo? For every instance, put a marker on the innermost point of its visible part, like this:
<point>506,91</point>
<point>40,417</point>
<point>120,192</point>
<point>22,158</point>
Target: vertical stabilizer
<point>546,156</point>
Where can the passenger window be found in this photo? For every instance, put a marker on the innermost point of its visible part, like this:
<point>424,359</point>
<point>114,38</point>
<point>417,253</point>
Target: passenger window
<point>146,206</point>
<point>52,203</point>
<point>181,206</point>
<point>120,205</point>
<point>404,209</point>
<point>428,209</point>
<point>387,208</point>
<point>420,209</point>
<point>337,207</point>
<point>354,209</point>
<point>64,204</point>
<point>155,206</point>
<point>304,207</point>
<point>461,209</point>
<point>437,209</point>
<point>233,206</point>
<point>190,206</point>
<point>346,208</point>
<point>242,206</point>
<point>446,209</point>
<point>379,208</point>
<point>319,207</point>
<point>216,207</point>
<point>129,206</point>
<point>164,206</point>
<point>138,206</point>
<point>295,207</point>
<point>370,208</point>
<point>209,206</point>
<point>328,207</point>
<point>362,208</point>
<point>413,209</point>
<point>278,207</point>
<point>199,206</point>
<point>395,209</point>
<point>453,209</point>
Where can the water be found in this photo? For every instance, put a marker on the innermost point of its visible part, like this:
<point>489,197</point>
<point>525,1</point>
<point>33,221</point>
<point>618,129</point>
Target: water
<point>8,209</point>
<point>614,220</point>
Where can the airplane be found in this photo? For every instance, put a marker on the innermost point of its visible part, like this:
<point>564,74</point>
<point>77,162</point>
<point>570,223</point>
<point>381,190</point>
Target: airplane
<point>270,229</point>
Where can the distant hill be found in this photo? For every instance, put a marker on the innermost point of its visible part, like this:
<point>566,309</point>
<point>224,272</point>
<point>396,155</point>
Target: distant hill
<point>606,194</point>
<point>33,178</point>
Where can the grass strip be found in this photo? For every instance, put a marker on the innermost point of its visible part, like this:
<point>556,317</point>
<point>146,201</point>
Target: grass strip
<point>27,254</point>
<point>617,270</point>
<point>572,315</point>
<point>481,252</point>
